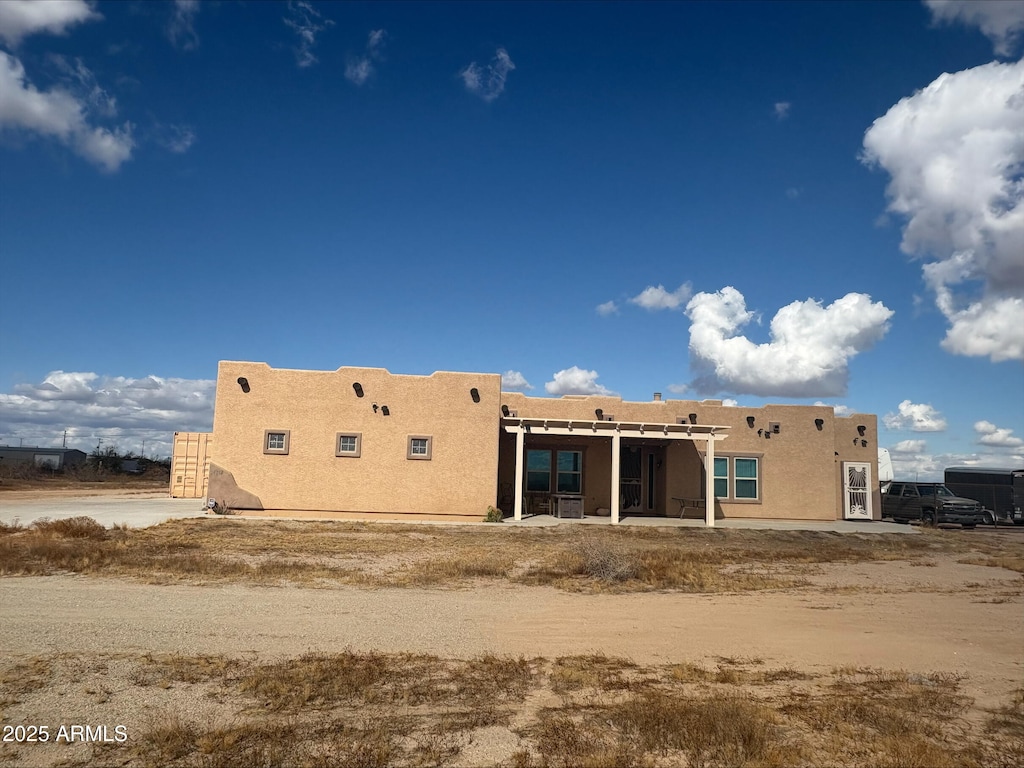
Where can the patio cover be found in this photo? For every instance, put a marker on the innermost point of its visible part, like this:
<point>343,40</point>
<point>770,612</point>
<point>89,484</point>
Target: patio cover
<point>707,433</point>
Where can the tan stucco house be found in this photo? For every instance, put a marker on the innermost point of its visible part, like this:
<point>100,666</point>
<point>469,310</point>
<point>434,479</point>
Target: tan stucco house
<point>366,440</point>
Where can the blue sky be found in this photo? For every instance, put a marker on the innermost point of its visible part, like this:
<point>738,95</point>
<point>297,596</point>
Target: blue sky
<point>759,202</point>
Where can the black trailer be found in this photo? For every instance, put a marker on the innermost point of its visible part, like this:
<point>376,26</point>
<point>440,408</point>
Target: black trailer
<point>1000,490</point>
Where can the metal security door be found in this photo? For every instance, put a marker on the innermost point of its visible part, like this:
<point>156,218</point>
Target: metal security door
<point>857,490</point>
<point>630,479</point>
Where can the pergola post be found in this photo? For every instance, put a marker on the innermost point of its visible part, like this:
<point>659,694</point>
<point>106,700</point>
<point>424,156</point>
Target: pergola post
<point>616,442</point>
<point>520,442</point>
<point>709,484</point>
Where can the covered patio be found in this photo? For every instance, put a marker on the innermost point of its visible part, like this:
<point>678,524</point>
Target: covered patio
<point>614,433</point>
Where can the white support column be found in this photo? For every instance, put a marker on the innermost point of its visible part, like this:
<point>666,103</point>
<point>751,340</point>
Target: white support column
<point>520,441</point>
<point>616,442</point>
<point>709,484</point>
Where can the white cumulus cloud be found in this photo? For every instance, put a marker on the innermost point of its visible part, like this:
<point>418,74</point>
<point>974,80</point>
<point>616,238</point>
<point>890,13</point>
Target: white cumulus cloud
<point>60,115</point>
<point>306,22</point>
<point>809,352</point>
<point>576,381</point>
<point>917,417</point>
<point>1001,21</point>
<point>678,389</point>
<point>997,437</point>
<point>955,154</point>
<point>488,83</point>
<point>118,409</point>
<point>608,308</point>
<point>21,18</point>
<point>514,381</point>
<point>655,297</point>
<point>782,110</point>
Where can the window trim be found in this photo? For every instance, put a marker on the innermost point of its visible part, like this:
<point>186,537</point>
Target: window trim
<point>420,456</point>
<point>283,450</point>
<point>718,477</point>
<point>354,454</point>
<point>756,479</point>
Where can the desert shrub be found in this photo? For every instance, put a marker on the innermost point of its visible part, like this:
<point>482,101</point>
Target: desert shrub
<point>604,559</point>
<point>71,528</point>
<point>719,729</point>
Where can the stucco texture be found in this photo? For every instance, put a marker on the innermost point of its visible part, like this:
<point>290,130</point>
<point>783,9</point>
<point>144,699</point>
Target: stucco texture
<point>314,406</point>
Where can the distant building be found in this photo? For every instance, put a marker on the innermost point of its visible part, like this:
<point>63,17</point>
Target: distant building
<point>51,458</point>
<point>366,440</point>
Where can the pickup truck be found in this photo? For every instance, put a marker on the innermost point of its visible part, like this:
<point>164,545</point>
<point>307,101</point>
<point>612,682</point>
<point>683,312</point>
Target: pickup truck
<point>931,504</point>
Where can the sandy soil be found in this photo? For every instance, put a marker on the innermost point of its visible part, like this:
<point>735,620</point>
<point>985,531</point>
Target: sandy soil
<point>951,617</point>
<point>941,616</point>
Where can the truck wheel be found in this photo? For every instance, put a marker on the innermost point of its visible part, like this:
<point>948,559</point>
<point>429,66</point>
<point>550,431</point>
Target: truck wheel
<point>928,519</point>
<point>990,519</point>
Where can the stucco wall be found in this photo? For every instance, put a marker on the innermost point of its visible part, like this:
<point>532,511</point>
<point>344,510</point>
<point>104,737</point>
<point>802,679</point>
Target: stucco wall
<point>313,406</point>
<point>799,465</point>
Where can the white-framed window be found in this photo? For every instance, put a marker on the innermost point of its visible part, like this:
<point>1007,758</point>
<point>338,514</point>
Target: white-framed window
<point>420,447</point>
<point>276,441</point>
<point>348,444</point>
<point>738,478</point>
<point>746,478</point>
<point>721,477</point>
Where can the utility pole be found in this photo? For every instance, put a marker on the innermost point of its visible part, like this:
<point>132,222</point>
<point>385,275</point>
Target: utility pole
<point>143,448</point>
<point>65,439</point>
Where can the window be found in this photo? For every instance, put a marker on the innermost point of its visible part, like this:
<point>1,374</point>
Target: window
<point>276,441</point>
<point>566,466</point>
<point>721,477</point>
<point>570,471</point>
<point>349,444</point>
<point>538,471</point>
<point>420,447</point>
<point>745,478</point>
<point>738,478</point>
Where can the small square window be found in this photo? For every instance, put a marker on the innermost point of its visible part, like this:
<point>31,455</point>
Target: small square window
<point>349,444</point>
<point>420,447</point>
<point>276,441</point>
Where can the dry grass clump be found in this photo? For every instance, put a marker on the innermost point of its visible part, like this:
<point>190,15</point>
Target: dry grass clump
<point>603,559</point>
<point>1009,562</point>
<point>24,677</point>
<point>594,671</point>
<point>573,558</point>
<point>563,741</point>
<point>403,710</point>
<point>716,730</point>
<point>318,680</point>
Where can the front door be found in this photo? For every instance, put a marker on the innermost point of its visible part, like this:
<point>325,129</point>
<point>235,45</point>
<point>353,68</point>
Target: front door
<point>857,490</point>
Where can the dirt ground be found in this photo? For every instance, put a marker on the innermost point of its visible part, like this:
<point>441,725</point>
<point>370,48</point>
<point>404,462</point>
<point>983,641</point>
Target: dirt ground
<point>75,649</point>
